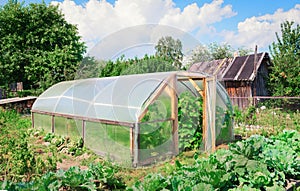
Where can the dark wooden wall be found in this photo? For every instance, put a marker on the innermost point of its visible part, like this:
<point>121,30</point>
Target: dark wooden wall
<point>239,91</point>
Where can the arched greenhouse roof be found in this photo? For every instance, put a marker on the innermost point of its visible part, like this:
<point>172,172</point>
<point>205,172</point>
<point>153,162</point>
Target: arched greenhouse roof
<point>118,98</point>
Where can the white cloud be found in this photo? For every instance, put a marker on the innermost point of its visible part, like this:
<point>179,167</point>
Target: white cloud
<point>261,30</point>
<point>193,17</point>
<point>97,18</point>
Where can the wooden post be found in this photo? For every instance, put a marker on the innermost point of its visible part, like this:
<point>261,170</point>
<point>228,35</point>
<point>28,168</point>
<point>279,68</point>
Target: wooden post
<point>53,124</point>
<point>255,73</point>
<point>32,119</point>
<point>174,115</point>
<point>204,120</point>
<point>131,141</point>
<point>136,144</point>
<point>83,131</point>
<point>213,114</point>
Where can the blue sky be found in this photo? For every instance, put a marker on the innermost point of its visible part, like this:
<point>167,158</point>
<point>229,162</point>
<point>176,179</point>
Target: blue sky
<point>240,23</point>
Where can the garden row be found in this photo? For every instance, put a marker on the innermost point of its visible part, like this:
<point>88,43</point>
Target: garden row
<point>255,163</point>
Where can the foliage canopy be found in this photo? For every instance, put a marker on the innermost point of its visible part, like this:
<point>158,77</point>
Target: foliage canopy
<point>215,51</point>
<point>170,49</point>
<point>285,75</point>
<point>38,46</point>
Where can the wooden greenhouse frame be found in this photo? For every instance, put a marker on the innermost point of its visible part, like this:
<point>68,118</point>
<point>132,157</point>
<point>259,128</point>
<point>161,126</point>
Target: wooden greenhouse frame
<point>169,85</point>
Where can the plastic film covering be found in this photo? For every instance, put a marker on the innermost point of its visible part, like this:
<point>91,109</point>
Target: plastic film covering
<point>224,121</point>
<point>210,114</point>
<point>155,142</point>
<point>113,98</point>
<point>110,141</point>
<point>190,103</point>
<point>43,122</point>
<point>68,127</point>
<point>155,131</point>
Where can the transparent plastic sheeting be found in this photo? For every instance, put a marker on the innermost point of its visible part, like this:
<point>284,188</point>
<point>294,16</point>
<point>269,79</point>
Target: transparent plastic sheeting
<point>114,98</point>
<point>68,109</point>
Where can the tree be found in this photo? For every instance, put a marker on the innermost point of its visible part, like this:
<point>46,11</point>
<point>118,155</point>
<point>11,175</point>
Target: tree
<point>200,54</point>
<point>89,68</point>
<point>220,51</point>
<point>117,67</point>
<point>38,46</point>
<point>170,49</point>
<point>284,77</point>
<point>214,51</point>
<point>242,51</point>
<point>149,65</point>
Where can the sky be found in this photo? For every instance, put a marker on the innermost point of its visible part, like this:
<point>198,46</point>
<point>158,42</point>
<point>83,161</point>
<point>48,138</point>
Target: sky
<point>240,23</point>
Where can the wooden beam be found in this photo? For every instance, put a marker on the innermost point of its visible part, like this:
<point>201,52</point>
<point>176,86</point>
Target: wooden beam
<point>196,86</point>
<point>187,78</point>
<point>241,68</point>
<point>83,131</point>
<point>127,124</point>
<point>131,142</point>
<point>204,118</point>
<point>213,115</point>
<point>53,124</point>
<point>157,121</point>
<point>158,91</point>
<point>219,66</point>
<point>32,120</point>
<point>136,145</point>
<point>172,91</point>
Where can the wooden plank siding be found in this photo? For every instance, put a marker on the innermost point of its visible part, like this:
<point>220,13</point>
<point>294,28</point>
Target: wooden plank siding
<point>239,77</point>
<point>238,91</point>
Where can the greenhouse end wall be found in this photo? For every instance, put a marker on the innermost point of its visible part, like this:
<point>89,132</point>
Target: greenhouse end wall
<point>137,125</point>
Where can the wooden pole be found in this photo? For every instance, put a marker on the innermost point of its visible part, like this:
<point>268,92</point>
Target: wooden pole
<point>32,119</point>
<point>131,142</point>
<point>255,73</point>
<point>204,120</point>
<point>104,121</point>
<point>196,86</point>
<point>53,124</point>
<point>174,115</point>
<point>213,114</point>
<point>136,144</point>
<point>83,131</point>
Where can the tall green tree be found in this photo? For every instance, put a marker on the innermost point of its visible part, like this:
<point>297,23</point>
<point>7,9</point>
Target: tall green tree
<point>285,74</point>
<point>38,46</point>
<point>170,49</point>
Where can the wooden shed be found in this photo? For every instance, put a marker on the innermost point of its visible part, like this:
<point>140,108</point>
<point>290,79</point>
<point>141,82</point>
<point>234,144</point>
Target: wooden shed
<point>244,77</point>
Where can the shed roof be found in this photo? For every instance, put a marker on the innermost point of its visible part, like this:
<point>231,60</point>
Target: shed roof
<point>239,68</point>
<point>16,99</point>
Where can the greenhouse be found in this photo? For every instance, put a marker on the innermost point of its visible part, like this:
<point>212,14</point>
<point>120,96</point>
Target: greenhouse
<point>137,119</point>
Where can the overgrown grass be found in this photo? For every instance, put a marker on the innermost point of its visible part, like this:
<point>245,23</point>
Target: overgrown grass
<point>265,121</point>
